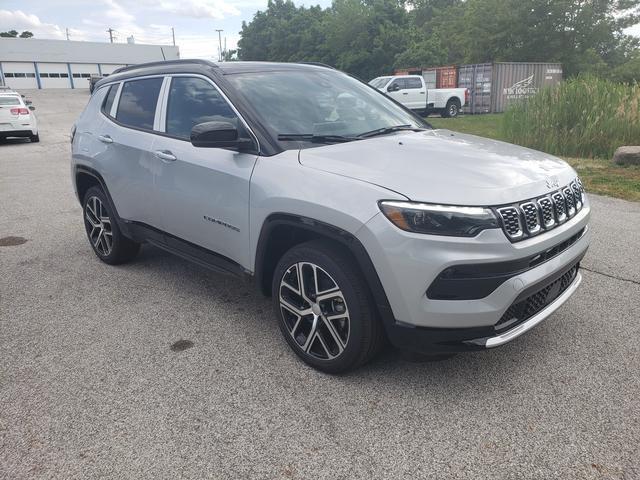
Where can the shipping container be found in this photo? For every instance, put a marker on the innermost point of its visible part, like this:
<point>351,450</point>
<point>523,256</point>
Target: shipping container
<point>435,77</point>
<point>477,79</point>
<point>430,78</point>
<point>493,87</point>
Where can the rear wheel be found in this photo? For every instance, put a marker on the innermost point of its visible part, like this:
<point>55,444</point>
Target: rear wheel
<point>452,109</point>
<point>104,235</point>
<point>324,308</point>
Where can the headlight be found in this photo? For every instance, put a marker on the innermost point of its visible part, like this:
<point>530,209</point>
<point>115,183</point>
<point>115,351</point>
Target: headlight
<point>439,219</point>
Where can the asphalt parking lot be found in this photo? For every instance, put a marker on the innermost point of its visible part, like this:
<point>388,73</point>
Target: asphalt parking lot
<point>91,388</point>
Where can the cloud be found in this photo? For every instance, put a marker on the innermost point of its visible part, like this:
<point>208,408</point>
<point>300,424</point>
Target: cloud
<point>217,9</point>
<point>18,20</point>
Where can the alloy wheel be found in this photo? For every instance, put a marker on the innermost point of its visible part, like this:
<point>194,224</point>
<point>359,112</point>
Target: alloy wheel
<point>98,226</point>
<point>314,311</point>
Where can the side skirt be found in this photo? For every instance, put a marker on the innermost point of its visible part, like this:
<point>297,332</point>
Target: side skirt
<point>141,232</point>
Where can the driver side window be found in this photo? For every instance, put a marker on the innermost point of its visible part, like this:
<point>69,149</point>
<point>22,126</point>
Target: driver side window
<point>396,85</point>
<point>192,101</point>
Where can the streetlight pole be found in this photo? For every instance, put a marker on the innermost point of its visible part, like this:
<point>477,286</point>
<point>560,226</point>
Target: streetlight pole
<point>219,44</point>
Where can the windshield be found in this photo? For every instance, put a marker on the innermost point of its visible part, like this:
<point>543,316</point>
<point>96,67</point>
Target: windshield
<point>9,100</point>
<point>318,102</point>
<point>379,82</point>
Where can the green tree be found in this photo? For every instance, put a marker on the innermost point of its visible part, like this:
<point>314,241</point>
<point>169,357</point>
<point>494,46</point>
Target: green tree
<point>9,34</point>
<point>26,34</point>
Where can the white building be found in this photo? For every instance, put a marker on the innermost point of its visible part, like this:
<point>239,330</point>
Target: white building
<point>33,63</point>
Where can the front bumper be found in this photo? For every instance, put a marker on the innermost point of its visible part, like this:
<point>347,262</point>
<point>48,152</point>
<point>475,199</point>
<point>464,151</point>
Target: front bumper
<point>408,263</point>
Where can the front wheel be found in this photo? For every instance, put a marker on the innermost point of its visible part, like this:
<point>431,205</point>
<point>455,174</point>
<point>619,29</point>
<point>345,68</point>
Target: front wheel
<point>452,109</point>
<point>35,138</point>
<point>324,308</point>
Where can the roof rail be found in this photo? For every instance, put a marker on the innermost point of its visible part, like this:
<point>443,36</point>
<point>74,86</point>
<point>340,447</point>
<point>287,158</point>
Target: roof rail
<point>164,62</point>
<point>317,64</point>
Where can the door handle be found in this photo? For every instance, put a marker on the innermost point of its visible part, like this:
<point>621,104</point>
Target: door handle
<point>405,93</point>
<point>105,138</point>
<point>165,155</point>
<point>422,93</point>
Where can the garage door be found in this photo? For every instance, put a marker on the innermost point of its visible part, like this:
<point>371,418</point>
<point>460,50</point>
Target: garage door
<point>54,75</point>
<point>108,69</point>
<point>19,75</point>
<point>81,72</point>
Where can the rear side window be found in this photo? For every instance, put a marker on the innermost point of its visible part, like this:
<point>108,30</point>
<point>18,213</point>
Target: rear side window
<point>413,83</point>
<point>9,100</point>
<point>193,101</point>
<point>108,101</point>
<point>138,99</point>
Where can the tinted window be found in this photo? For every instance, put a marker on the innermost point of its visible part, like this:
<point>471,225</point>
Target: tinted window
<point>413,83</point>
<point>9,101</point>
<point>108,101</point>
<point>399,82</point>
<point>193,101</point>
<point>138,100</point>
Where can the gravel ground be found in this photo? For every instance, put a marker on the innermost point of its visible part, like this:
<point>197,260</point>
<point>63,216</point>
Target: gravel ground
<point>91,388</point>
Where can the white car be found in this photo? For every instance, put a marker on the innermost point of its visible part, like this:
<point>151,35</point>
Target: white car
<point>16,117</point>
<point>412,92</point>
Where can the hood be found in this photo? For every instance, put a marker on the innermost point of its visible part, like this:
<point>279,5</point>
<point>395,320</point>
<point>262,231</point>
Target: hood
<point>441,166</point>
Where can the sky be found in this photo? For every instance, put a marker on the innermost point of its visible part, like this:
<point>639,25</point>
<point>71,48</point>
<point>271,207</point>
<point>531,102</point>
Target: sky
<point>148,21</point>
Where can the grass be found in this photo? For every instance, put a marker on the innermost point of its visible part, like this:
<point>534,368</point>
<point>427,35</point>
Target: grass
<point>599,175</point>
<point>584,117</point>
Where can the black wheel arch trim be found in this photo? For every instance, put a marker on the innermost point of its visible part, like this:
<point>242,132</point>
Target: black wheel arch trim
<point>346,239</point>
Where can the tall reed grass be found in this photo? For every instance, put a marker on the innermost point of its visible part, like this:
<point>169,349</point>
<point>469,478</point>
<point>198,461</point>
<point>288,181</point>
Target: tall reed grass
<point>584,117</point>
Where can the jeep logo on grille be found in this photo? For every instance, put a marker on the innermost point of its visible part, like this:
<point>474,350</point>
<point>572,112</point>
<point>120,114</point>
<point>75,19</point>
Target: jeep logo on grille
<point>552,182</point>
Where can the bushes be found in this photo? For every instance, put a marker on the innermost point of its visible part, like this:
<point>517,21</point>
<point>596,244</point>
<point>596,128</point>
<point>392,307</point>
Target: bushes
<point>582,117</point>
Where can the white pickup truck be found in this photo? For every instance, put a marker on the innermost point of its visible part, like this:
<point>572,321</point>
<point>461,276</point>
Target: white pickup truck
<point>411,91</point>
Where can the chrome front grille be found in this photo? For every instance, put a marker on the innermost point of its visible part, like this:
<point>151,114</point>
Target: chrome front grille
<point>531,217</point>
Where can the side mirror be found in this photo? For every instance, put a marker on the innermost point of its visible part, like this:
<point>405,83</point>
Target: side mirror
<point>393,88</point>
<point>32,108</point>
<point>219,135</point>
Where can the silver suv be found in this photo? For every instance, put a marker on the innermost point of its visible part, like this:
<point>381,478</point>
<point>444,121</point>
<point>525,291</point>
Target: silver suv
<point>361,221</point>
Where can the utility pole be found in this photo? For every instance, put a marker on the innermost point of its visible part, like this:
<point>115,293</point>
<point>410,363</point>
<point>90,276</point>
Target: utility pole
<point>173,35</point>
<point>67,31</point>
<point>111,30</point>
<point>224,55</point>
<point>219,44</point>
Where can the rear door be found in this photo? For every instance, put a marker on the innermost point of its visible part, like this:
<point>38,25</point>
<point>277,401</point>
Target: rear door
<point>126,160</point>
<point>415,93</point>
<point>203,192</point>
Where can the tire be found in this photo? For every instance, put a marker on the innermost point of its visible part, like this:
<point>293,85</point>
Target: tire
<point>35,138</point>
<point>452,110</point>
<point>342,331</point>
<point>105,237</point>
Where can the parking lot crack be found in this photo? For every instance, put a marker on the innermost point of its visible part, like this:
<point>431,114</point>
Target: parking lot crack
<point>610,276</point>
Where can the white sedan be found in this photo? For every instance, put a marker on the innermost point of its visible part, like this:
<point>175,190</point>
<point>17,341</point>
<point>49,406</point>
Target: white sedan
<point>16,117</point>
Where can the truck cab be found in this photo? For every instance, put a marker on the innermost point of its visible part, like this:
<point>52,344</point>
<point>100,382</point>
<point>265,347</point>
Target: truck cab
<point>412,92</point>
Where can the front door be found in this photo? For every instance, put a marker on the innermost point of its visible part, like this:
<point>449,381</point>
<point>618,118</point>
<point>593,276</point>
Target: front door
<point>204,192</point>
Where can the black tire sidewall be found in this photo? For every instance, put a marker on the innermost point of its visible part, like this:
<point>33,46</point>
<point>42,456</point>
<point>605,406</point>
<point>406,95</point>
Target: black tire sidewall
<point>344,274</point>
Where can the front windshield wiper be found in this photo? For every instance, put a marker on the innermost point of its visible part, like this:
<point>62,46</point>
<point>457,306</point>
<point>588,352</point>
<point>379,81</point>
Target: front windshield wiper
<point>386,130</point>
<point>310,137</point>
